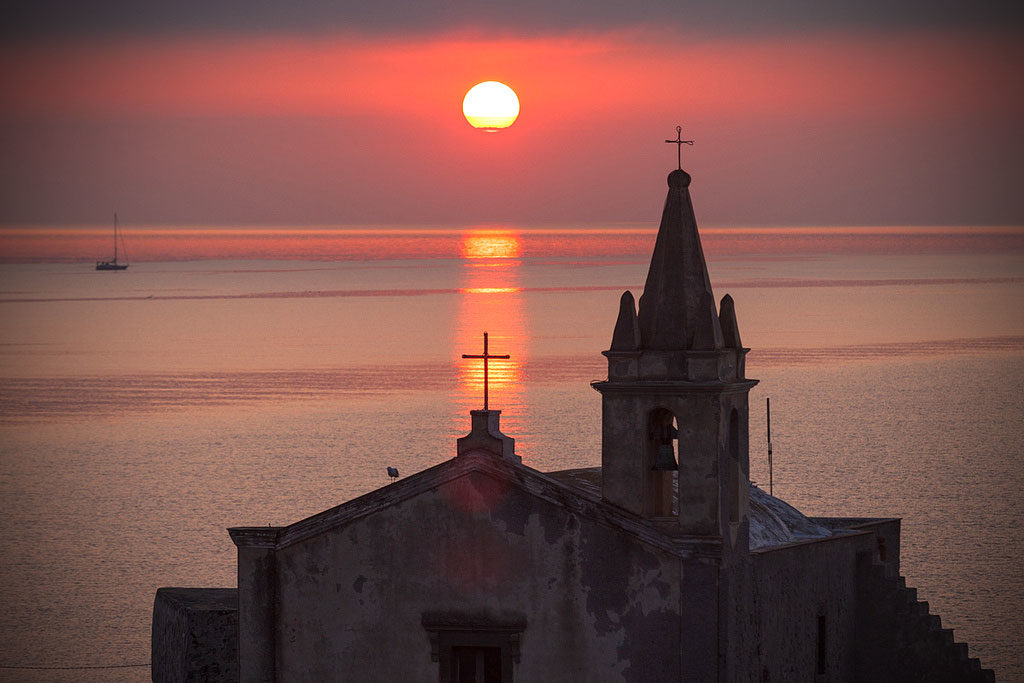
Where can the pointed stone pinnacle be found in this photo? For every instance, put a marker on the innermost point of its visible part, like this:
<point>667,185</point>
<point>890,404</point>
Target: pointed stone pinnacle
<point>730,327</point>
<point>626,336</point>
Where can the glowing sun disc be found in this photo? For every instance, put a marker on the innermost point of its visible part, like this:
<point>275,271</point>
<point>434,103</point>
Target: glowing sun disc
<point>490,105</point>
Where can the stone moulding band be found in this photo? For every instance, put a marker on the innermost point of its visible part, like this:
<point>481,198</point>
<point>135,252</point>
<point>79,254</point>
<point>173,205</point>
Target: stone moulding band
<point>691,353</point>
<point>673,387</point>
<point>255,536</point>
<point>444,628</point>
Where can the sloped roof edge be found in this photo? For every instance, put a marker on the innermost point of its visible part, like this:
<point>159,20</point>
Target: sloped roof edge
<point>525,478</point>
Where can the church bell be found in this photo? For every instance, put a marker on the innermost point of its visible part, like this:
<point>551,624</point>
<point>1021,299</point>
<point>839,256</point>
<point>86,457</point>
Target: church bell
<point>665,460</point>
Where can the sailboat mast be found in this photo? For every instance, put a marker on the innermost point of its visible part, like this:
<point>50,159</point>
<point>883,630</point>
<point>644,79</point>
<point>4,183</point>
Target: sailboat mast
<point>115,237</point>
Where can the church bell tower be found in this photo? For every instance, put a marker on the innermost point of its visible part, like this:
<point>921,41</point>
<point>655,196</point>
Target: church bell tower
<point>674,406</point>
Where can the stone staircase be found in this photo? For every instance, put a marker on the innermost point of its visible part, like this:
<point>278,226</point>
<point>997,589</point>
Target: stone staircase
<point>899,639</point>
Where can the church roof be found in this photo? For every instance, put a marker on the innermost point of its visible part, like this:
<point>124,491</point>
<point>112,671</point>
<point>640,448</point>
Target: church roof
<point>773,521</point>
<point>553,489</point>
<point>677,309</point>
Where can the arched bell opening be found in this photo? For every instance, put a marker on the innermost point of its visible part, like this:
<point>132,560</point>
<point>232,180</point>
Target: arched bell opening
<point>734,501</point>
<point>662,453</point>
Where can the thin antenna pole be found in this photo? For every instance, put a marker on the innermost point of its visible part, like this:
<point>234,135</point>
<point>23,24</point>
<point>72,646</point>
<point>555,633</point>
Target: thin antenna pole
<point>771,482</point>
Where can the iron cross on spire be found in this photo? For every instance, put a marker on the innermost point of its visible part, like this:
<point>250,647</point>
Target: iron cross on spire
<point>486,356</point>
<point>679,142</point>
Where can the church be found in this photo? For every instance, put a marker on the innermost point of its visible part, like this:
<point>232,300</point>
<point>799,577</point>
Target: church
<point>663,564</point>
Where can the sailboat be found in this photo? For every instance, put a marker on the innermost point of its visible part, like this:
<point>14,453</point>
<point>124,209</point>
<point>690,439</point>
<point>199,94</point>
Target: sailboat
<point>112,264</point>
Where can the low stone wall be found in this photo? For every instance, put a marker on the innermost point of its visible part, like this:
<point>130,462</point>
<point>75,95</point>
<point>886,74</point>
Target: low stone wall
<point>195,635</point>
<point>886,532</point>
<point>804,605</point>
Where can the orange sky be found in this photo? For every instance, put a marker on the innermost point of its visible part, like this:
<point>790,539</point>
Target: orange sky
<point>834,75</point>
<point>341,128</point>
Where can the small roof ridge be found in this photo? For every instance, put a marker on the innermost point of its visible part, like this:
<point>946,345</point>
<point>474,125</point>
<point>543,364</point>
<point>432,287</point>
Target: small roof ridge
<point>529,480</point>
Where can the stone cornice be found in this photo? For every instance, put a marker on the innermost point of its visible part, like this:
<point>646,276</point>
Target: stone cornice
<point>673,386</point>
<point>691,353</point>
<point>838,537</point>
<point>255,536</point>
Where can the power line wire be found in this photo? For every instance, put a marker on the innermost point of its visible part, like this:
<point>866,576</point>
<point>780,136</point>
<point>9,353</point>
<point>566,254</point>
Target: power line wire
<point>41,668</point>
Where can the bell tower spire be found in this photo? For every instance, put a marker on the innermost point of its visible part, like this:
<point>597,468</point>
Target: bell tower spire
<point>674,406</point>
<point>677,309</point>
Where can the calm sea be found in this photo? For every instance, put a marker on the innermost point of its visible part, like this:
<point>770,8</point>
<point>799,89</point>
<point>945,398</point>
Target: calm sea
<point>246,377</point>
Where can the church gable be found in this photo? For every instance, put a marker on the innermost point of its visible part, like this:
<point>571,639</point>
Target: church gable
<point>478,555</point>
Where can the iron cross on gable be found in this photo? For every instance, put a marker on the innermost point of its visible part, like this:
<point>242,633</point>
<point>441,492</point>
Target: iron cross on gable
<point>679,142</point>
<point>486,356</point>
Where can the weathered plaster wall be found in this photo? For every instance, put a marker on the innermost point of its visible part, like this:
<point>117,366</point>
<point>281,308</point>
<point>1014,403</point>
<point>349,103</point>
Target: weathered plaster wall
<point>195,635</point>
<point>598,604</point>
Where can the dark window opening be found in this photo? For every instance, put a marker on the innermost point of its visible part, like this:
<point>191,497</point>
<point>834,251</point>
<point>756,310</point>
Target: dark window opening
<point>822,644</point>
<point>472,647</point>
<point>881,549</point>
<point>733,501</point>
<point>476,665</point>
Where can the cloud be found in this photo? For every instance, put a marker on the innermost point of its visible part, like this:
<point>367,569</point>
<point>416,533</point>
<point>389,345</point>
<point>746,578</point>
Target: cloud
<point>567,77</point>
<point>74,17</point>
<point>832,127</point>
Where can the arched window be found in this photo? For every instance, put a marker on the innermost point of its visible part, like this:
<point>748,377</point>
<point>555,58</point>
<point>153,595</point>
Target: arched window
<point>734,490</point>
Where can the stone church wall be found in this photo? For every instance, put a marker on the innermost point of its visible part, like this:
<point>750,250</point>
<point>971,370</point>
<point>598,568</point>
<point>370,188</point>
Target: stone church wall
<point>592,602</point>
<point>195,635</point>
<point>804,608</point>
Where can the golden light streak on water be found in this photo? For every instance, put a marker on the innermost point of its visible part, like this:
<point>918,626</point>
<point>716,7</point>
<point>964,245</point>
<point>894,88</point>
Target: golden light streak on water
<point>491,244</point>
<point>490,290</point>
<point>491,300</point>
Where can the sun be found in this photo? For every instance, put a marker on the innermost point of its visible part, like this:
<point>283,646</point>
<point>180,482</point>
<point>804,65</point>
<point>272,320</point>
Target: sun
<point>490,106</point>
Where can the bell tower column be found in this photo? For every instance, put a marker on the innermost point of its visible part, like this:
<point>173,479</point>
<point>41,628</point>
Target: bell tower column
<point>674,406</point>
<point>674,432</point>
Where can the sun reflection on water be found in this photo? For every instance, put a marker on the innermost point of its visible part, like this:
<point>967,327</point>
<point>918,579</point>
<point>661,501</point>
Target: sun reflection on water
<point>491,300</point>
<point>489,290</point>
<point>491,244</point>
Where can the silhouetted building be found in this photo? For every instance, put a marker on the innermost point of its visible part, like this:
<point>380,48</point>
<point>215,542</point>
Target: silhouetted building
<point>663,564</point>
